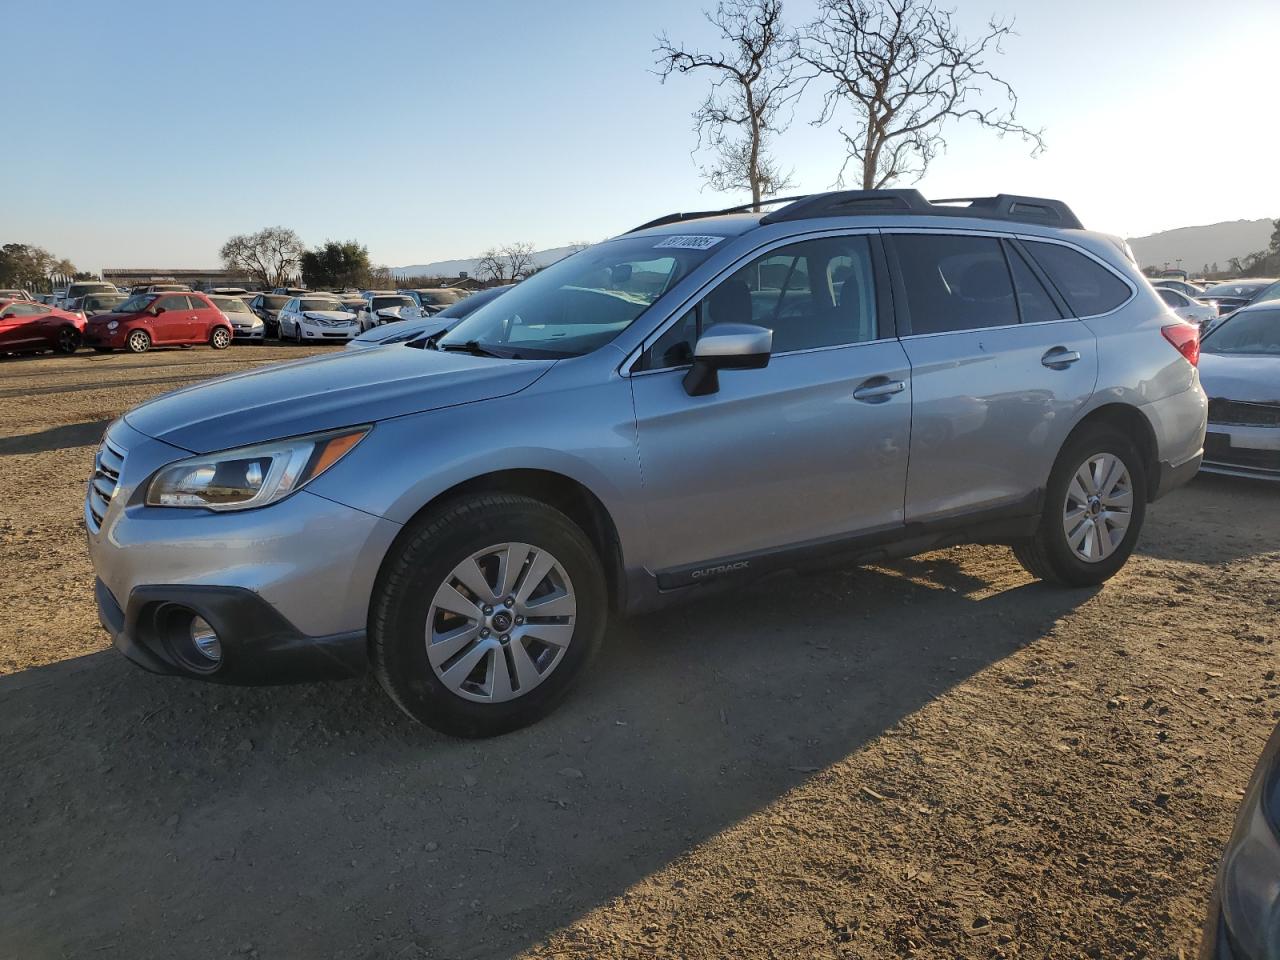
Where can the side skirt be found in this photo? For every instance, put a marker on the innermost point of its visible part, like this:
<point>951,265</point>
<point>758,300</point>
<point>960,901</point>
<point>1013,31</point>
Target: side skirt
<point>999,525</point>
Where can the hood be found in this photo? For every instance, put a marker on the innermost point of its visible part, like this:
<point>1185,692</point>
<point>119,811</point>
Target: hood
<point>325,393</point>
<point>1254,379</point>
<point>336,316</point>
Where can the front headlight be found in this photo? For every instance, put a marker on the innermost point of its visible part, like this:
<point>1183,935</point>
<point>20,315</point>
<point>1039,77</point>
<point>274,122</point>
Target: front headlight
<point>113,324</point>
<point>250,476</point>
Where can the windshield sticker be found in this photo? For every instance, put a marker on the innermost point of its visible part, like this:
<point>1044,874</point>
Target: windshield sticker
<point>689,243</point>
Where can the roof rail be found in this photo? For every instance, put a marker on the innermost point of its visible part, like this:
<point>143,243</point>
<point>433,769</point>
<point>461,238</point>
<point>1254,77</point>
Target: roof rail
<point>850,203</point>
<point>703,214</point>
<point>1004,206</point>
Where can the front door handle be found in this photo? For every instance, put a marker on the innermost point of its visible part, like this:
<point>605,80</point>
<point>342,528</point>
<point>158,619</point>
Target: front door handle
<point>1059,358</point>
<point>878,389</point>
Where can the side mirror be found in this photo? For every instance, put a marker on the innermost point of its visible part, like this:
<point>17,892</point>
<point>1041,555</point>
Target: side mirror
<point>726,346</point>
<point>154,311</point>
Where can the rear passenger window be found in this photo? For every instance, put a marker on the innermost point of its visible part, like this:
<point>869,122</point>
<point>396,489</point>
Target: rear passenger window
<point>1034,303</point>
<point>817,293</point>
<point>1169,297</point>
<point>198,304</point>
<point>955,282</point>
<point>1088,287</point>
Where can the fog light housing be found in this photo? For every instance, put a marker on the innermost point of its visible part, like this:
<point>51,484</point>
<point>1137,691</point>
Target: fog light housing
<point>205,640</point>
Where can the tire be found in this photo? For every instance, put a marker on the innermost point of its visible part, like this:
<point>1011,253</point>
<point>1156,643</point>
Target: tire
<point>138,341</point>
<point>220,338</point>
<point>1050,555</point>
<point>422,567</point>
<point>68,340</point>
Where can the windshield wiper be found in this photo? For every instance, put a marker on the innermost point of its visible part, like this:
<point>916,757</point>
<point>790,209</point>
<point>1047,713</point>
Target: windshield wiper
<point>472,347</point>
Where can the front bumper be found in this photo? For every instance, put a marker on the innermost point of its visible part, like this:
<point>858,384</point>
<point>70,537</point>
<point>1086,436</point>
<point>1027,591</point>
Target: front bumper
<point>290,583</point>
<point>1239,450</point>
<point>328,334</point>
<point>250,333</point>
<point>96,336</point>
<point>259,646</point>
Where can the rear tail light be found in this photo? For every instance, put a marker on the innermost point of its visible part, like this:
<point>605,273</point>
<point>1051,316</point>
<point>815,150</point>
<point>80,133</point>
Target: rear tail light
<point>1185,339</point>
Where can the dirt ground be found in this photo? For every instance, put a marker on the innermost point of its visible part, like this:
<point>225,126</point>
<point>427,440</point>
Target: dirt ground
<point>933,758</point>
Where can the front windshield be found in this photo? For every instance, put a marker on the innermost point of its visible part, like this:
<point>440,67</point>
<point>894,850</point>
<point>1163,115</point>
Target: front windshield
<point>135,304</point>
<point>320,305</point>
<point>581,303</point>
<point>1270,293</point>
<point>231,305</point>
<point>391,303</point>
<point>1247,332</point>
<point>437,298</point>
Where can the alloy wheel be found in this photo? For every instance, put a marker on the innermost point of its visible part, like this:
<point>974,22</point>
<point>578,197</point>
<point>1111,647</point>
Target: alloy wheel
<point>1098,507</point>
<point>501,622</point>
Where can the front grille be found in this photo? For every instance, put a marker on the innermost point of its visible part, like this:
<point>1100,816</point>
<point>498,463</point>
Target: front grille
<point>1218,449</point>
<point>102,485</point>
<point>1243,413</point>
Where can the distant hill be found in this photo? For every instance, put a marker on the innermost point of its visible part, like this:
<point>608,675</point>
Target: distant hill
<point>1196,246</point>
<point>452,268</point>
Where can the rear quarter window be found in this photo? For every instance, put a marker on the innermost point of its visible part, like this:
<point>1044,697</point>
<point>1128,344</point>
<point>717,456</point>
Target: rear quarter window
<point>1088,287</point>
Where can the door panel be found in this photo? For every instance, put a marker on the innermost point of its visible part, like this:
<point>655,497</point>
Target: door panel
<point>997,370</point>
<point>777,457</point>
<point>170,326</point>
<point>20,328</point>
<point>988,416</point>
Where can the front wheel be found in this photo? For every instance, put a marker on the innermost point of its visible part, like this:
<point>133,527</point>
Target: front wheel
<point>139,341</point>
<point>485,612</point>
<point>1094,507</point>
<point>220,339</point>
<point>68,340</point>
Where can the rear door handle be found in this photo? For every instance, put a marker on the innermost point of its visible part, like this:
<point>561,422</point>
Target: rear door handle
<point>1059,358</point>
<point>878,389</point>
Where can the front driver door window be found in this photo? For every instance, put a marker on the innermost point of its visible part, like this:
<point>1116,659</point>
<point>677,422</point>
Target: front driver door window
<point>786,454</point>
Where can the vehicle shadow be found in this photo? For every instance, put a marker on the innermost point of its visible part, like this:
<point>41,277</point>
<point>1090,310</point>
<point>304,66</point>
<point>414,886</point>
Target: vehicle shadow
<point>54,438</point>
<point>1244,515</point>
<point>156,817</point>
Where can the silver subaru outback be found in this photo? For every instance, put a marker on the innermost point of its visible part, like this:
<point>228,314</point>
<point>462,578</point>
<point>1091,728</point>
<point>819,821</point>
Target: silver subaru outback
<point>710,397</point>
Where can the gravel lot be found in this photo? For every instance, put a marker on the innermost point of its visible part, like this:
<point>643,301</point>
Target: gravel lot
<point>934,758</point>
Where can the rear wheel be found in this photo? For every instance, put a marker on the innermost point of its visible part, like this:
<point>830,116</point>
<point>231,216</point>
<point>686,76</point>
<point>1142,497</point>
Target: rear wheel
<point>485,613</point>
<point>220,339</point>
<point>139,341</point>
<point>1095,504</point>
<point>68,340</point>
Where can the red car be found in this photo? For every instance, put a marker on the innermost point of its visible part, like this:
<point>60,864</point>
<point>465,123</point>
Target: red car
<point>159,320</point>
<point>27,326</point>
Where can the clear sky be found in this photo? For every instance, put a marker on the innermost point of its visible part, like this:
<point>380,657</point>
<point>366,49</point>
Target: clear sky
<point>143,133</point>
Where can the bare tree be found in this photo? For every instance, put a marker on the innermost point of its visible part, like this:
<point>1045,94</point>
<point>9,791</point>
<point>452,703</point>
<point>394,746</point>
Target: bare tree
<point>271,257</point>
<point>506,264</point>
<point>905,71</point>
<point>755,79</point>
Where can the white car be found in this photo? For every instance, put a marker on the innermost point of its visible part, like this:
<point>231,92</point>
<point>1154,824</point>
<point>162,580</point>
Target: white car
<point>245,324</point>
<point>317,318</point>
<point>382,308</point>
<point>82,288</point>
<point>1193,311</point>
